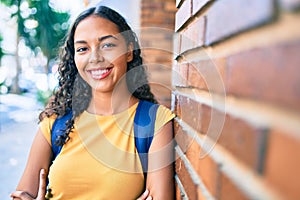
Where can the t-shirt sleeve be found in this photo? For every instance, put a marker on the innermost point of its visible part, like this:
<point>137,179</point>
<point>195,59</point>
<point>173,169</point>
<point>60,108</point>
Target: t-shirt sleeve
<point>163,116</point>
<point>46,126</point>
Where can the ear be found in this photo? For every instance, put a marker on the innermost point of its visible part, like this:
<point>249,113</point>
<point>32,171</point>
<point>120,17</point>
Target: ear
<point>130,52</point>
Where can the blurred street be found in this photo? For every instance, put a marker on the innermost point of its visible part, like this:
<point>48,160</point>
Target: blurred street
<point>18,125</point>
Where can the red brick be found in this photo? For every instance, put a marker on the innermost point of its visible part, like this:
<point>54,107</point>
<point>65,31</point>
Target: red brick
<point>146,13</point>
<point>242,140</point>
<point>208,75</point>
<point>196,78</point>
<point>156,57</point>
<point>229,190</point>
<point>206,168</point>
<point>157,46</point>
<point>160,18</point>
<point>200,195</point>
<point>152,5</point>
<point>205,118</point>
<point>177,192</point>
<point>177,110</point>
<point>190,111</point>
<point>160,77</point>
<point>170,6</point>
<point>228,17</point>
<point>153,21</point>
<point>185,178</point>
<point>193,35</point>
<point>289,4</point>
<point>198,5</point>
<point>159,74</point>
<point>270,74</point>
<point>162,94</point>
<point>212,122</point>
<point>182,139</point>
<point>166,1</point>
<point>180,72</point>
<point>183,14</point>
<point>283,163</point>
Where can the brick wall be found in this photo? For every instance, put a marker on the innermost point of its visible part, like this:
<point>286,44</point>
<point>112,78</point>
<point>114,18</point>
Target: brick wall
<point>156,36</point>
<point>236,83</point>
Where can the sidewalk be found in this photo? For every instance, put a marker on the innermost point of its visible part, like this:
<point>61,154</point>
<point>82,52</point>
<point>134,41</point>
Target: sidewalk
<point>18,125</point>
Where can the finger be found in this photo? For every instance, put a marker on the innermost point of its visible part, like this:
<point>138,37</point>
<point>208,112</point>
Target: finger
<point>21,195</point>
<point>42,185</point>
<point>144,195</point>
<point>15,198</point>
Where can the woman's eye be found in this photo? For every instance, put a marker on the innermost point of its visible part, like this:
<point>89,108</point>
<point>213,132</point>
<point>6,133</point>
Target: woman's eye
<point>108,45</point>
<point>82,49</point>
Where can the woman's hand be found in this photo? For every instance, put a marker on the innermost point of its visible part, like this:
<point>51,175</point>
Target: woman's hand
<point>41,192</point>
<point>145,196</point>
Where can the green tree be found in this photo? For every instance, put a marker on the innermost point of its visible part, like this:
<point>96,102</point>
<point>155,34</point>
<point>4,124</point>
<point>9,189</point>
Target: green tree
<point>16,3</point>
<point>51,27</point>
<point>1,50</point>
<point>40,26</point>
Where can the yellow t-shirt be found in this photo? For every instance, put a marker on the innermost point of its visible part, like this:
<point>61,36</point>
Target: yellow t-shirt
<point>100,160</point>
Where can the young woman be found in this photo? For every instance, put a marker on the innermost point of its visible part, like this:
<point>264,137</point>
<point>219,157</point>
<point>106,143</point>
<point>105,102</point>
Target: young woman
<point>101,82</point>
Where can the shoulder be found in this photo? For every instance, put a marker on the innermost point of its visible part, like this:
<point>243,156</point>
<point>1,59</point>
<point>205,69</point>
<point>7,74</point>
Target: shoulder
<point>46,126</point>
<point>163,116</point>
<point>164,111</point>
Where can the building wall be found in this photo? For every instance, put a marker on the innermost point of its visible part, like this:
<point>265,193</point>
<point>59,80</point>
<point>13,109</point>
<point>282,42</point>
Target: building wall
<point>236,84</point>
<point>156,37</point>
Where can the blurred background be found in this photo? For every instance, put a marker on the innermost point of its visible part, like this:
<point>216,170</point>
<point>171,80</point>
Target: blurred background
<point>228,69</point>
<point>30,35</point>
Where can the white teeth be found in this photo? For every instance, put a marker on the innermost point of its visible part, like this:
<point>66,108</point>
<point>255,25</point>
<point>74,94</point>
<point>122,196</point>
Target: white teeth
<point>99,72</point>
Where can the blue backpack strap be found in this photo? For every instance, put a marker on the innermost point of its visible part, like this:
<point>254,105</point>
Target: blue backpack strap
<point>144,122</point>
<point>58,128</point>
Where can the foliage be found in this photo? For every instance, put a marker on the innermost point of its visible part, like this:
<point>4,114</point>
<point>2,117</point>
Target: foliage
<point>39,25</point>
<point>50,30</point>
<point>1,50</point>
<point>43,96</point>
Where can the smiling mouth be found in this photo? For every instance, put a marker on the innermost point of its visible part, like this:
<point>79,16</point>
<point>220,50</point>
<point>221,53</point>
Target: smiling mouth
<point>99,74</point>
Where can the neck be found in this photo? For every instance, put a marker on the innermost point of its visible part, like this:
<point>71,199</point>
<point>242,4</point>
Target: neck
<point>111,103</point>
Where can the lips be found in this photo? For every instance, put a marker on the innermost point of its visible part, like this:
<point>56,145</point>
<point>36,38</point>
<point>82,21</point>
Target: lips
<point>99,74</point>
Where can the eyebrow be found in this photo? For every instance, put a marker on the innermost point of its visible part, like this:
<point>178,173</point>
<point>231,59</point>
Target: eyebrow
<point>106,37</point>
<point>100,39</point>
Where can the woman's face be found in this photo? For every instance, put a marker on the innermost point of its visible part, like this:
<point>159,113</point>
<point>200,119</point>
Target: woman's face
<point>101,53</point>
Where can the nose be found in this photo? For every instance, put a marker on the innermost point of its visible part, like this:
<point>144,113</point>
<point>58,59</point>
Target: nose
<point>96,56</point>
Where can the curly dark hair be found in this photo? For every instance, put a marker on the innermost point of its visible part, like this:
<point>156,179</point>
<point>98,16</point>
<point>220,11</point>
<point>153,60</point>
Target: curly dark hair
<point>73,94</point>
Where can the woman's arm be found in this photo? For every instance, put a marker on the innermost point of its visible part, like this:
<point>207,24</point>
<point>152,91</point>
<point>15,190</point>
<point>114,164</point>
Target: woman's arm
<point>39,158</point>
<point>22,195</point>
<point>160,177</point>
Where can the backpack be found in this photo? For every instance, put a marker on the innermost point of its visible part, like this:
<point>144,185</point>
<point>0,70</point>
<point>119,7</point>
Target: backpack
<point>144,121</point>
